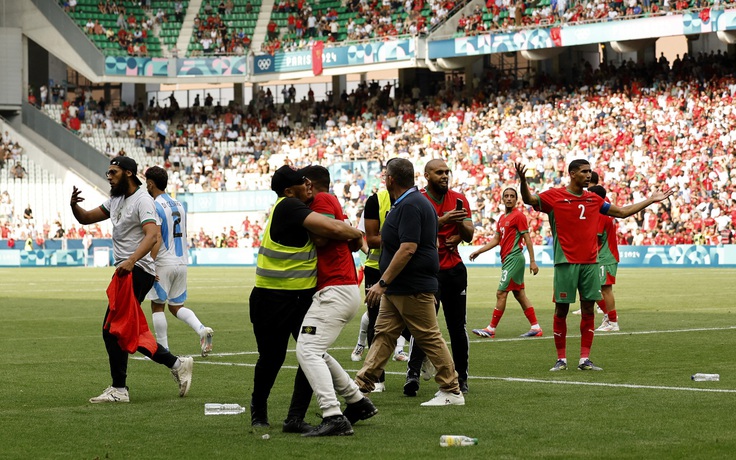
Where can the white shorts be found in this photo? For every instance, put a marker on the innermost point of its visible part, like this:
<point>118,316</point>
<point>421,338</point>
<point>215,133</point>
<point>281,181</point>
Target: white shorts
<point>171,285</point>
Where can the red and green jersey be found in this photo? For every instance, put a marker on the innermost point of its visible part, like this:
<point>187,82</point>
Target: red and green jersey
<point>574,223</point>
<point>335,264</point>
<point>512,227</point>
<point>608,248</point>
<point>442,205</point>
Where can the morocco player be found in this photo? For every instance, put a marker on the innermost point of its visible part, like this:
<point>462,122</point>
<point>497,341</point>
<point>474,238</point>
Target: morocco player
<point>573,217</point>
<point>511,231</point>
<point>607,265</point>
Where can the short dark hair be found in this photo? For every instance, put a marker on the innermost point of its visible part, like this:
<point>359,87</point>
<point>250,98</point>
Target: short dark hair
<point>402,171</point>
<point>512,189</point>
<point>159,177</point>
<point>594,179</point>
<point>598,190</point>
<point>319,175</point>
<point>577,164</point>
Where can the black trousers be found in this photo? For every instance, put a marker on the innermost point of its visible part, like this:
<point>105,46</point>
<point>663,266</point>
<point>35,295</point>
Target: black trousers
<point>276,315</point>
<point>453,283</point>
<point>142,283</point>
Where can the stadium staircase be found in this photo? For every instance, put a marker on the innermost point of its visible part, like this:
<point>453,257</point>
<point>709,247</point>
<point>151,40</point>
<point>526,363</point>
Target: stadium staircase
<point>259,33</point>
<point>187,29</point>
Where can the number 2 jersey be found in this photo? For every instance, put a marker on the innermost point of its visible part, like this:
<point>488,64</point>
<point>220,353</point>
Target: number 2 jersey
<point>173,220</point>
<point>574,223</point>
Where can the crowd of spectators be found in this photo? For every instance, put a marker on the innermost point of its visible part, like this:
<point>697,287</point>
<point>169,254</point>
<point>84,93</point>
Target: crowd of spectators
<point>10,154</point>
<point>213,33</point>
<point>641,127</point>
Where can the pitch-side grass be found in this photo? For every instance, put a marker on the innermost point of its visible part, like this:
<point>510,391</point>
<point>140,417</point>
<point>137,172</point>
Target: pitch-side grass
<point>674,323</point>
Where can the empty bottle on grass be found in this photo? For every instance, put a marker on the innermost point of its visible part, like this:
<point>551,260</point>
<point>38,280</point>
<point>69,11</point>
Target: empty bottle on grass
<point>449,440</point>
<point>706,377</point>
<point>223,409</point>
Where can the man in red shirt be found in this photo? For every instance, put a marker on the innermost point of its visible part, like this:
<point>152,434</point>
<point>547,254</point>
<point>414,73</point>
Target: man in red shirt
<point>573,215</point>
<point>608,260</point>
<point>512,229</point>
<point>334,305</point>
<point>455,226</point>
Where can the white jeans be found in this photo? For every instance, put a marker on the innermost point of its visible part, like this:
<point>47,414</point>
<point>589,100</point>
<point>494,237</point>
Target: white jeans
<point>332,308</point>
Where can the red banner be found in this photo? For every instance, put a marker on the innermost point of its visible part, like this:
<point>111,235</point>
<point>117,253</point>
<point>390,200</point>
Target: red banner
<point>317,50</point>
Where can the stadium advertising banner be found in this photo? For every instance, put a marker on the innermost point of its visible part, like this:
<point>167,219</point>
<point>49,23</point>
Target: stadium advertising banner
<point>690,256</point>
<point>185,67</point>
<point>340,56</point>
<point>705,21</point>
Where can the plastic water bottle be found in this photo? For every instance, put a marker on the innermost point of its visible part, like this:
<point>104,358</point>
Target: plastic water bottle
<point>223,409</point>
<point>706,377</point>
<point>449,440</point>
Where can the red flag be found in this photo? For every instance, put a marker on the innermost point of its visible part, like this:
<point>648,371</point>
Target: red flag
<point>705,15</point>
<point>317,50</point>
<point>555,35</point>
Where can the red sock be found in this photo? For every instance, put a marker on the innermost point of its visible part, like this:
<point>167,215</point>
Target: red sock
<point>587,326</point>
<point>602,303</point>
<point>612,316</point>
<point>530,315</point>
<point>559,327</point>
<point>497,314</point>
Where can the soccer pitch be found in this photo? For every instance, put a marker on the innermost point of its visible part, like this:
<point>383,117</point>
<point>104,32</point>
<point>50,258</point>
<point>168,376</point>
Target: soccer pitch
<point>674,323</point>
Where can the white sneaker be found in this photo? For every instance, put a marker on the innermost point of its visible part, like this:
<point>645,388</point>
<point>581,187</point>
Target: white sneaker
<point>380,387</point>
<point>357,353</point>
<point>577,312</point>
<point>183,375</point>
<point>428,370</point>
<point>443,398</point>
<point>205,340</point>
<point>401,356</point>
<point>608,326</point>
<point>598,310</point>
<point>112,394</point>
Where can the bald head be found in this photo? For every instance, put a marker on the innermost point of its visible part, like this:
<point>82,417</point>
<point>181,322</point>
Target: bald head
<point>438,176</point>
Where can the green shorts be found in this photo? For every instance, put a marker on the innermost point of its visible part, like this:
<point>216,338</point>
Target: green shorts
<point>512,273</point>
<point>571,278</point>
<point>607,274</point>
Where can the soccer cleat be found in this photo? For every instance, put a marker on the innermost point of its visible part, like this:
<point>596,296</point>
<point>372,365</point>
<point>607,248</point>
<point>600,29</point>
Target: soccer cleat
<point>560,365</point>
<point>379,387</point>
<point>183,375</point>
<point>401,356</point>
<point>336,425</point>
<point>428,370</point>
<point>608,326</point>
<point>411,386</point>
<point>357,353</point>
<point>361,410</point>
<point>588,365</point>
<point>205,341</point>
<point>443,398</point>
<point>296,425</point>
<point>579,311</point>
<point>532,333</point>
<point>112,394</point>
<point>598,310</point>
<point>486,332</point>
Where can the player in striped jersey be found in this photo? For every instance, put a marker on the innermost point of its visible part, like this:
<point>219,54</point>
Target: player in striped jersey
<point>172,256</point>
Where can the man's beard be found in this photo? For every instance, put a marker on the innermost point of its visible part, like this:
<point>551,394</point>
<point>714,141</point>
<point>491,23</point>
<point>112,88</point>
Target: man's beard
<point>440,189</point>
<point>120,189</point>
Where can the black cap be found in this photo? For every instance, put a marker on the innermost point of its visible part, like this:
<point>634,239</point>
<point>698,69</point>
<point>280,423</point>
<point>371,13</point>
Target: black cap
<point>127,164</point>
<point>285,177</point>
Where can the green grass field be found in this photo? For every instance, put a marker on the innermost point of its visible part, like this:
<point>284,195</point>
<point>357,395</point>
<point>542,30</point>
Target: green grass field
<point>675,322</point>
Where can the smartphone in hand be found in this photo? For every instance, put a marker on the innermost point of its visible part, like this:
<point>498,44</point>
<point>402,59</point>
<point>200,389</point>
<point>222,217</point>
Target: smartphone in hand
<point>458,204</point>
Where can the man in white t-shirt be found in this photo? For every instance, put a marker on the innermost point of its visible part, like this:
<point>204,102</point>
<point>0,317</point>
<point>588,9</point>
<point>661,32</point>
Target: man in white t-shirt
<point>133,217</point>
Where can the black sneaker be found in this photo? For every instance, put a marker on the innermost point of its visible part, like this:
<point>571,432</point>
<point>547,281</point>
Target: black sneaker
<point>411,386</point>
<point>296,425</point>
<point>361,410</point>
<point>258,417</point>
<point>336,425</point>
<point>463,386</point>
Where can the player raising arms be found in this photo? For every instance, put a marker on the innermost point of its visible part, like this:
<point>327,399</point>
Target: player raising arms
<point>573,217</point>
<point>512,229</point>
